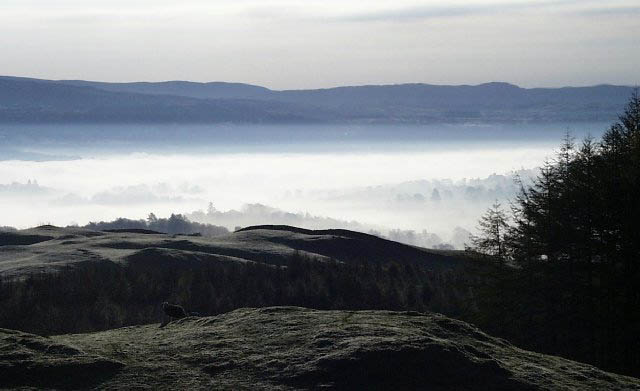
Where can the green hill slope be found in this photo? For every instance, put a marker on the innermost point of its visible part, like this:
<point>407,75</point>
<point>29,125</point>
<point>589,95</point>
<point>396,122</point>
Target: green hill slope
<point>286,348</point>
<point>60,280</point>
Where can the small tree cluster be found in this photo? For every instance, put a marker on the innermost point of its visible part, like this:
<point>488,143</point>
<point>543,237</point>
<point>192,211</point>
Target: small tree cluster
<point>174,224</point>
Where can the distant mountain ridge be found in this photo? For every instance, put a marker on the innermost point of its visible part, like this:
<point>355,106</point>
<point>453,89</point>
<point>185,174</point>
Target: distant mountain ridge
<point>36,100</point>
<point>210,90</point>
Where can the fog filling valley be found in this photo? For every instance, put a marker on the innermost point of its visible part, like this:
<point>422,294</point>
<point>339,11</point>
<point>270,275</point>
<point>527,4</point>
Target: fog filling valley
<point>424,196</point>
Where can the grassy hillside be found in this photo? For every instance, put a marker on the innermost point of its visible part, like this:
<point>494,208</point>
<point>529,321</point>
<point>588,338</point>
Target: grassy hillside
<point>286,348</point>
<point>60,280</point>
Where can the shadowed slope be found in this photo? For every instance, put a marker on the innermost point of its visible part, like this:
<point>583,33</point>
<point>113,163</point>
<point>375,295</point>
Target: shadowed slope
<point>48,248</point>
<point>345,245</point>
<point>79,280</point>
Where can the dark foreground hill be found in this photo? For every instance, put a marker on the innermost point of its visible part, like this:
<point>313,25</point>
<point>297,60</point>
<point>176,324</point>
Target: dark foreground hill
<point>286,348</point>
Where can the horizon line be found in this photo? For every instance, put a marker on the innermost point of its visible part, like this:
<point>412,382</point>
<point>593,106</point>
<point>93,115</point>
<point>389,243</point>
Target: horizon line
<point>604,84</point>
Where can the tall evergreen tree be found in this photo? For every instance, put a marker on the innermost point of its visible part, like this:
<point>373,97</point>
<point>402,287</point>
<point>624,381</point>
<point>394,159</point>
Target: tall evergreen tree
<point>576,243</point>
<point>493,228</point>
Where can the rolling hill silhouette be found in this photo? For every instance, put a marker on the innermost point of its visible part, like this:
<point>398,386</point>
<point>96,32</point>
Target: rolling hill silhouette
<point>25,100</point>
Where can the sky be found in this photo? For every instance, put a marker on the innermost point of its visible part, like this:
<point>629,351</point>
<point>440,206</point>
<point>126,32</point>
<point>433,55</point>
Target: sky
<point>285,44</point>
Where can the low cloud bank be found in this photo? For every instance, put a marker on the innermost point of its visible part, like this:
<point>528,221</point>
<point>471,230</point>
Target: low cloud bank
<point>370,196</point>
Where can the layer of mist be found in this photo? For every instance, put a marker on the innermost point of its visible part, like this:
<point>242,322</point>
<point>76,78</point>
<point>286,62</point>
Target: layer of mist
<point>429,213</point>
<point>420,185</point>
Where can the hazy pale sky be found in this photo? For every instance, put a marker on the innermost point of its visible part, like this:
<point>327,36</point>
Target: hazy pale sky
<point>306,44</point>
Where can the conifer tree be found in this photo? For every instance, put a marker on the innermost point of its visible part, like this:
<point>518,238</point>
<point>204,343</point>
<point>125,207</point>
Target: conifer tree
<point>493,228</point>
